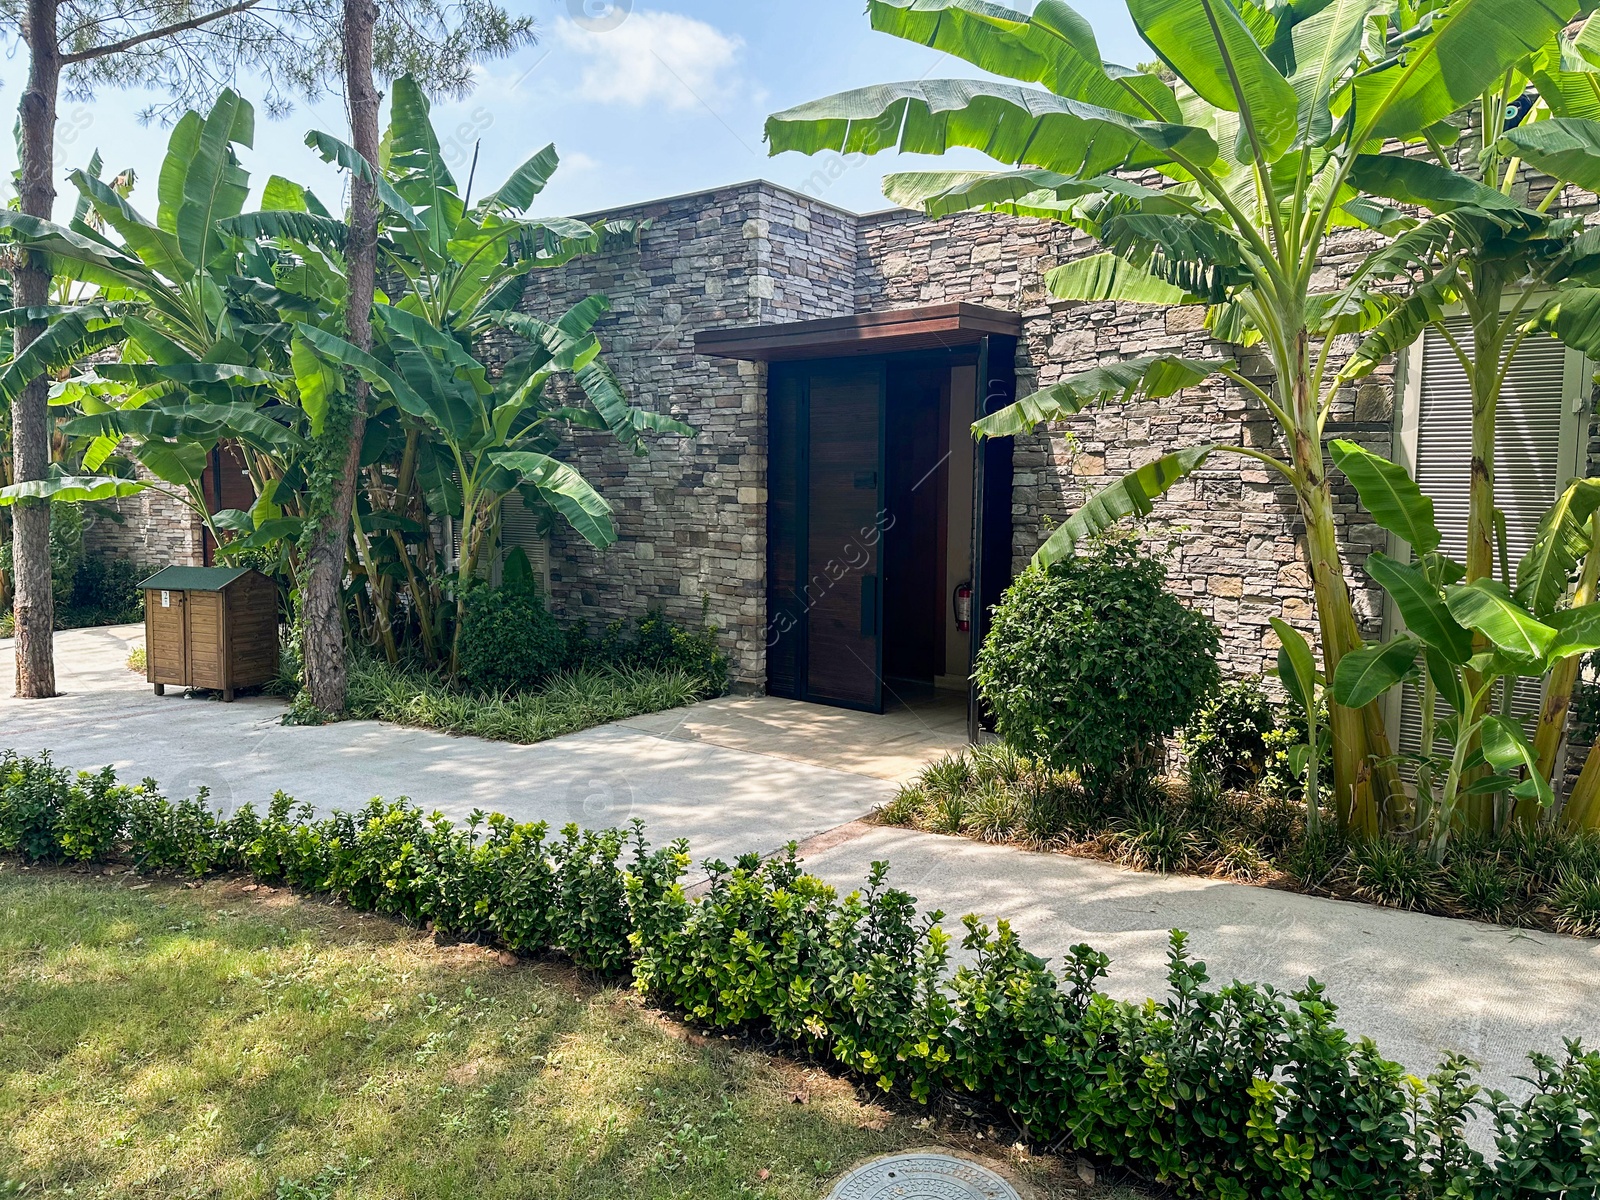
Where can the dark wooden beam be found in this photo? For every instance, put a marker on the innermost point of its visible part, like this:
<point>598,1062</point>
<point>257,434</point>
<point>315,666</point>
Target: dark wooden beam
<point>931,327</point>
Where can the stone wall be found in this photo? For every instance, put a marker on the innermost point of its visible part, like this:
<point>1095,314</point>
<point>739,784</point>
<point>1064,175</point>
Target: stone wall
<point>691,516</point>
<point>149,529</point>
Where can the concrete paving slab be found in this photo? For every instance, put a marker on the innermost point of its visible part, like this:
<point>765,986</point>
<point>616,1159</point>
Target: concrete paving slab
<point>894,746</point>
<point>726,801</point>
<point>1418,985</point>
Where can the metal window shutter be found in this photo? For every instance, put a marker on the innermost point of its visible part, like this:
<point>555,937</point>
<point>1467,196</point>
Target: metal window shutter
<point>519,527</point>
<point>1529,461</point>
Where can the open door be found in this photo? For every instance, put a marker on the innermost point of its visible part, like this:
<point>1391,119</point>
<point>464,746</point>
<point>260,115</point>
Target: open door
<point>825,504</point>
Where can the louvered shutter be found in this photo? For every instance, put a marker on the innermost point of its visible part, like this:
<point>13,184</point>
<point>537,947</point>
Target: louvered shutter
<point>1535,454</point>
<point>518,527</point>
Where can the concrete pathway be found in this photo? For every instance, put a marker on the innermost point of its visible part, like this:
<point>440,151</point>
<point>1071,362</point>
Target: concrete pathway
<point>751,774</point>
<point>726,801</point>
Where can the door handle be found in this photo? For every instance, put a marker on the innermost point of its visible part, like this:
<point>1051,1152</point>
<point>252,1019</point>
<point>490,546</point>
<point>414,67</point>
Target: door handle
<point>869,606</point>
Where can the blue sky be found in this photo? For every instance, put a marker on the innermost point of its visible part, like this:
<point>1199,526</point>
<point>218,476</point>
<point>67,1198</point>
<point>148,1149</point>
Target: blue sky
<point>643,99</point>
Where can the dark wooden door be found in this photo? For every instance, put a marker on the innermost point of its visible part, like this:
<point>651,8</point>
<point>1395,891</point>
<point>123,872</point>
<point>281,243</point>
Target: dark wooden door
<point>826,500</point>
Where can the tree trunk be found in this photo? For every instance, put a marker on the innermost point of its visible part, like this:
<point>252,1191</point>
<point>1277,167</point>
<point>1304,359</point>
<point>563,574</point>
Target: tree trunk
<point>33,603</point>
<point>324,608</point>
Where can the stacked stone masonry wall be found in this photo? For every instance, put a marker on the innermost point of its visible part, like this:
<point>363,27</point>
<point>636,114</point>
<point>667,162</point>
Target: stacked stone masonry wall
<point>691,515</point>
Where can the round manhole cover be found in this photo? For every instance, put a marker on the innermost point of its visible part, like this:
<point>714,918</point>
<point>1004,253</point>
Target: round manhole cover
<point>922,1177</point>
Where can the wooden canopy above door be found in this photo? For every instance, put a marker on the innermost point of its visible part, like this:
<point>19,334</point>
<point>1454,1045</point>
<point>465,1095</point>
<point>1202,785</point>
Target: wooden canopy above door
<point>931,327</point>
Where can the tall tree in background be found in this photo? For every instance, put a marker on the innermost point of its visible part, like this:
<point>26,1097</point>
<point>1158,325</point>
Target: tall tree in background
<point>186,53</point>
<point>392,38</point>
<point>322,608</point>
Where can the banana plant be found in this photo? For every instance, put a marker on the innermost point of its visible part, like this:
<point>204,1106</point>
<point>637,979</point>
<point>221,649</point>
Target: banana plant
<point>196,309</point>
<point>461,262</point>
<point>1464,642</point>
<point>1271,113</point>
<point>499,436</point>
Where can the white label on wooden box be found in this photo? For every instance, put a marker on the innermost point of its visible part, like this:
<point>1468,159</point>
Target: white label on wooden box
<point>166,599</point>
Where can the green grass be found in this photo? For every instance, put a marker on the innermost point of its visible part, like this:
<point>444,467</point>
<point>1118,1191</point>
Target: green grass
<point>570,702</point>
<point>158,1040</point>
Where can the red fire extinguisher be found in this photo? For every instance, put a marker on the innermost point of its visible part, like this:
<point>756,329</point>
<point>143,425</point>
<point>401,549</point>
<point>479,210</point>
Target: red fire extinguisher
<point>963,604</point>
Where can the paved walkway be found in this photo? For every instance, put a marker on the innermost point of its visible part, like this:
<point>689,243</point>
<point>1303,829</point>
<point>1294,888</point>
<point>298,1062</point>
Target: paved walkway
<point>751,774</point>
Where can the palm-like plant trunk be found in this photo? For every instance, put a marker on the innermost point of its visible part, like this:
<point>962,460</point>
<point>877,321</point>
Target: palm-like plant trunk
<point>1358,736</point>
<point>326,665</point>
<point>1551,733</point>
<point>33,603</point>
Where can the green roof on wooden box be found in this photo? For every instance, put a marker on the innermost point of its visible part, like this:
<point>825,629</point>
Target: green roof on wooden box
<point>194,579</point>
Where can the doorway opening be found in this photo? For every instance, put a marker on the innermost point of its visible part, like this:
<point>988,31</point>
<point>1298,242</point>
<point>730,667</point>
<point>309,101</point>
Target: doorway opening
<point>874,488</point>
<point>888,529</point>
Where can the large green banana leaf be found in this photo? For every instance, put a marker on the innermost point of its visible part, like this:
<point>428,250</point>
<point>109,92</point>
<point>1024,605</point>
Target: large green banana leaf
<point>417,167</point>
<point>342,154</point>
<point>1565,148</point>
<point>565,490</point>
<point>1011,124</point>
<point>175,168</point>
<point>1152,377</point>
<point>1028,192</point>
<point>1488,606</point>
<point>1563,538</point>
<point>155,246</point>
<point>1213,51</point>
<point>73,489</point>
<point>1506,748</point>
<point>1365,674</point>
<point>334,349</point>
<point>1389,493</point>
<point>71,336</point>
<point>1326,45</point>
<point>1466,48</point>
<point>523,184</point>
<point>1574,317</point>
<point>1416,181</point>
<point>1108,276</point>
<point>214,185</point>
<point>1053,46</point>
<point>1416,596</point>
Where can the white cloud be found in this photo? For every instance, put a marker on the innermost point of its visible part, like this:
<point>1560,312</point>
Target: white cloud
<point>577,160</point>
<point>654,58</point>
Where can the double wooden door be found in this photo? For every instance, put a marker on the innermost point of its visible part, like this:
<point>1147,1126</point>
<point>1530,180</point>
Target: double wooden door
<point>826,523</point>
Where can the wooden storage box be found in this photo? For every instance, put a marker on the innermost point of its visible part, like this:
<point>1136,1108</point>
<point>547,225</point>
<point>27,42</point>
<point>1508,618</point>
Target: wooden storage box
<point>210,627</point>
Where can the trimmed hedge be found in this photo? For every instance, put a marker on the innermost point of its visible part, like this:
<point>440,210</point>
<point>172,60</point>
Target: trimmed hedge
<point>1238,1092</point>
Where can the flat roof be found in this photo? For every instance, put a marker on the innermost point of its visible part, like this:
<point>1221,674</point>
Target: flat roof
<point>929,327</point>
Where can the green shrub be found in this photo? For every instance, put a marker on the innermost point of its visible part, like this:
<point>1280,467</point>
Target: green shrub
<point>185,838</point>
<point>1091,661</point>
<point>509,640</point>
<point>1241,738</point>
<point>66,550</point>
<point>105,591</point>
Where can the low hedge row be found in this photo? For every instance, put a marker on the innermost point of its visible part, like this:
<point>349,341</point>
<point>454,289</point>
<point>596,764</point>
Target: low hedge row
<point>1239,1092</point>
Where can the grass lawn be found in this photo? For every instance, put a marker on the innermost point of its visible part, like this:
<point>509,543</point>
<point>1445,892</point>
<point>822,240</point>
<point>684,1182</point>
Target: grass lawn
<point>162,1040</point>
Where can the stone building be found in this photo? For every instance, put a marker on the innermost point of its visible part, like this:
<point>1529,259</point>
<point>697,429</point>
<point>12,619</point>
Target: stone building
<point>746,309</point>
